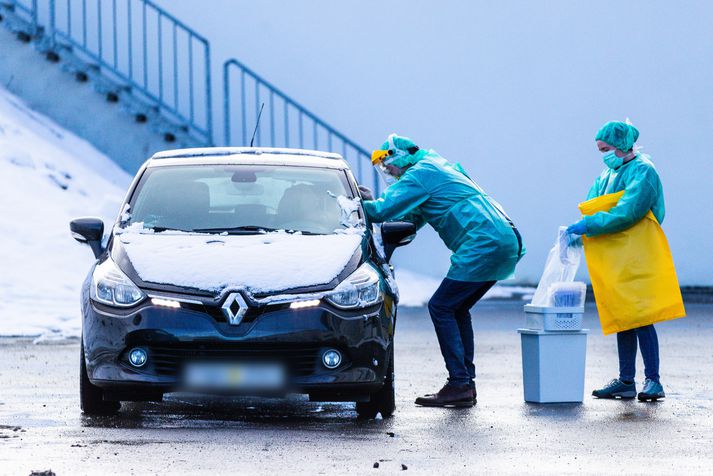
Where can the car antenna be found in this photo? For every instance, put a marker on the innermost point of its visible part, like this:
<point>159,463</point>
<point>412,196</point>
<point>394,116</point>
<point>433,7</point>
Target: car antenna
<point>257,124</point>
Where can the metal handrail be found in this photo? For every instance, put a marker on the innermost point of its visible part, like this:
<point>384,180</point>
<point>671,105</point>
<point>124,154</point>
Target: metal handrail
<point>277,126</point>
<point>130,40</point>
<point>27,10</point>
<point>139,45</point>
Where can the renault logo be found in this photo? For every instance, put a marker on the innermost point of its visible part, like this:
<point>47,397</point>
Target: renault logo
<point>235,308</point>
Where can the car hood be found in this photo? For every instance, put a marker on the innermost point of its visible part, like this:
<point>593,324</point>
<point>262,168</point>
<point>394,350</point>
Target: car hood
<point>260,264</point>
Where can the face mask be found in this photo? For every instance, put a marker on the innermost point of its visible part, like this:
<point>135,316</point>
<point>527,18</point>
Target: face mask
<point>611,160</point>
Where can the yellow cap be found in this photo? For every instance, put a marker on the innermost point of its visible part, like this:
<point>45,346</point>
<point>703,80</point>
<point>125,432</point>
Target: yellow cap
<point>378,156</point>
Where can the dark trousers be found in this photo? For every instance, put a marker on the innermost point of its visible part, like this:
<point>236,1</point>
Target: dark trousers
<point>450,313</point>
<point>648,342</point>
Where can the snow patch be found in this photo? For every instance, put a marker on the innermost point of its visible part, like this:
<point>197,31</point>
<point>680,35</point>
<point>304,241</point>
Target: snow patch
<point>49,177</point>
<point>416,289</point>
<point>348,209</point>
<point>259,263</point>
<point>125,214</point>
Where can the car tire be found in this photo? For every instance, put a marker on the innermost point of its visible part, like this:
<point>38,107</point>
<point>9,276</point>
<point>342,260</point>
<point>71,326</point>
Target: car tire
<point>91,397</point>
<point>383,401</point>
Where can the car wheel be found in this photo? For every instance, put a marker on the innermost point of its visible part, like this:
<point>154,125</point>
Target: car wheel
<point>91,397</point>
<point>383,401</point>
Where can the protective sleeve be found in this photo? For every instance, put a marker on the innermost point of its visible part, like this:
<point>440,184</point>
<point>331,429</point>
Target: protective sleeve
<point>639,196</point>
<point>398,200</point>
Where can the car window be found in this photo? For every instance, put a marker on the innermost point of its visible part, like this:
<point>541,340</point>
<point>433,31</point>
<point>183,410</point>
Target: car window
<point>236,198</point>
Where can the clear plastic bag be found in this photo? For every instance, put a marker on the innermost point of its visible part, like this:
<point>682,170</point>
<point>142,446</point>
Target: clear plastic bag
<point>561,267</point>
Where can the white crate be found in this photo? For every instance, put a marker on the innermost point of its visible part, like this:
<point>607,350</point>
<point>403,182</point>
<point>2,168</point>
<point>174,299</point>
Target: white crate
<point>553,318</point>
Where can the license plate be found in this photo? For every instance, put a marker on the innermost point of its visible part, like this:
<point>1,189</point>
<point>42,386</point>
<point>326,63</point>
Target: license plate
<point>237,376</point>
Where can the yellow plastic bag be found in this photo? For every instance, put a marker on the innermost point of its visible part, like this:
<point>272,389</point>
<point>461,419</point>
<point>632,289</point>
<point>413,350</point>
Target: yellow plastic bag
<point>632,272</point>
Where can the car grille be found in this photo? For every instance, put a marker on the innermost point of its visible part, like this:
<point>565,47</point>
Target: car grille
<point>300,359</point>
<point>216,312</point>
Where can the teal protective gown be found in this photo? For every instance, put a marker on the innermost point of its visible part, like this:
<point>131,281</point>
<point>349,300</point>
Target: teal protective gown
<point>643,192</point>
<point>470,223</point>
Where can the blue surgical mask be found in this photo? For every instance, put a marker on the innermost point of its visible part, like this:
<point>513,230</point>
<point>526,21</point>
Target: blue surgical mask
<point>611,160</point>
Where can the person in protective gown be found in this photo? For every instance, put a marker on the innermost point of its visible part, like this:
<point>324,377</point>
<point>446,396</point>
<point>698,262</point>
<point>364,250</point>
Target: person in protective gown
<point>486,247</point>
<point>628,170</point>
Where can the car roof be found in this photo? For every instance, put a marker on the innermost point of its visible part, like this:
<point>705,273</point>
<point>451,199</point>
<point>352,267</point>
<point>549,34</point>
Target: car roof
<point>248,155</point>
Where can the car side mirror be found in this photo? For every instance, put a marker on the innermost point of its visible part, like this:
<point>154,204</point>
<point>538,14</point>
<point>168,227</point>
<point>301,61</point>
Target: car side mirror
<point>395,234</point>
<point>90,231</point>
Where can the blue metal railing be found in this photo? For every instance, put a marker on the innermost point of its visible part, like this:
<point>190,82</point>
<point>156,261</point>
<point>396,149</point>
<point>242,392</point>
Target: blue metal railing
<point>143,47</point>
<point>139,45</point>
<point>25,9</point>
<point>284,122</point>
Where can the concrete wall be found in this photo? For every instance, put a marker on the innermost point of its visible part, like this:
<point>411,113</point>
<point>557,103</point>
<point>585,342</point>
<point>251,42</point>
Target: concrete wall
<point>513,89</point>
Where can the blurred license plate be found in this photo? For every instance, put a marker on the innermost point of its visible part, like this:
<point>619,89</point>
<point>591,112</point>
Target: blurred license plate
<point>247,376</point>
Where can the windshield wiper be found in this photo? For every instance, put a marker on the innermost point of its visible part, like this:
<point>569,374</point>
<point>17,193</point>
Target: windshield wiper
<point>159,229</point>
<point>155,229</point>
<point>237,230</point>
<point>250,230</point>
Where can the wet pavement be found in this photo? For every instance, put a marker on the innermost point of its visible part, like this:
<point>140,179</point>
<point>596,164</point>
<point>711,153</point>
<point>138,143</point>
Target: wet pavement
<point>41,426</point>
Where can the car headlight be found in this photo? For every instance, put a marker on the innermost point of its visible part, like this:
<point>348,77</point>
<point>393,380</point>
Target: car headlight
<point>360,289</point>
<point>112,287</point>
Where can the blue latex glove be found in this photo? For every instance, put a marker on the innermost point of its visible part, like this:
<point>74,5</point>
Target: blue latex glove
<point>579,228</point>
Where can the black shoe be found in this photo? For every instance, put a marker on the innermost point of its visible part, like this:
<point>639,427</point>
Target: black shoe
<point>475,394</point>
<point>449,396</point>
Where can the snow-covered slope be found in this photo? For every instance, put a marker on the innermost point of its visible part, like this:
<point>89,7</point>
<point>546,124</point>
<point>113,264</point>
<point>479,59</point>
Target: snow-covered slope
<point>47,177</point>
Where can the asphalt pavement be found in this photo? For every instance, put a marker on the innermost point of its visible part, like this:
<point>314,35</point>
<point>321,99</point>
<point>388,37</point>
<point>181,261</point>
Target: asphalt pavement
<point>41,427</point>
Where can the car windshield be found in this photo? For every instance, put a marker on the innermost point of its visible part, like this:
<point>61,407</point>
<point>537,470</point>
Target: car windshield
<point>241,199</point>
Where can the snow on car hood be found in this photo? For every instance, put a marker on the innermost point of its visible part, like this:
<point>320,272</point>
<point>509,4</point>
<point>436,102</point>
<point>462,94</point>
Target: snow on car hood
<point>259,263</point>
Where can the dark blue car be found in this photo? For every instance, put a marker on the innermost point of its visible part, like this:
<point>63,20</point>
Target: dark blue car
<point>241,271</point>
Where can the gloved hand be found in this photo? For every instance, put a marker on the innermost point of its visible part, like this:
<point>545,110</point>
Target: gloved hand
<point>366,192</point>
<point>575,241</point>
<point>579,228</point>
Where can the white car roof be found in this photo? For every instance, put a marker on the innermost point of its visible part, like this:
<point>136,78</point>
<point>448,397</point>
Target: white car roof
<point>248,155</point>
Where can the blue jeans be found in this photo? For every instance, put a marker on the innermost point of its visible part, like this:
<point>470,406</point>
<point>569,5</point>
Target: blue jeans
<point>649,345</point>
<point>450,313</point>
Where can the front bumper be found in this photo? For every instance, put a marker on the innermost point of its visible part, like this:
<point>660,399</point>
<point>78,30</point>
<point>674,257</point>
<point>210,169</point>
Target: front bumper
<point>295,337</point>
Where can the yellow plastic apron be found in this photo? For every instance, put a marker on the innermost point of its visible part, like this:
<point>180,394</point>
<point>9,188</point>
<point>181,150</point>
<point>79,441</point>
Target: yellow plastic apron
<point>632,272</point>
